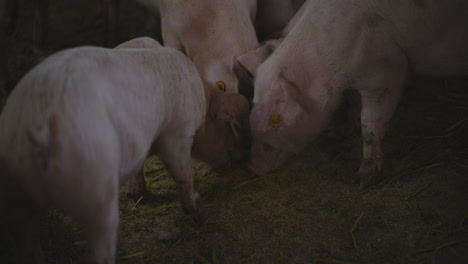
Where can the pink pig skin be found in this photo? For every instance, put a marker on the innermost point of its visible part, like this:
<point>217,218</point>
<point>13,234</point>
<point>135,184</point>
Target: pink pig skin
<point>331,46</point>
<point>82,122</point>
<point>212,33</point>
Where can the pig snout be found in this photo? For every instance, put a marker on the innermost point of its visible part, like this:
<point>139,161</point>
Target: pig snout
<point>263,158</point>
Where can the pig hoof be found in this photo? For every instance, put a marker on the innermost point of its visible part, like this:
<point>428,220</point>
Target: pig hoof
<point>167,235</point>
<point>195,219</point>
<point>190,205</point>
<point>366,178</point>
<point>136,193</point>
<point>135,196</point>
<point>135,188</point>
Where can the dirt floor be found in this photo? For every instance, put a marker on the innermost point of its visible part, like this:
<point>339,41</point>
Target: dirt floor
<point>306,212</point>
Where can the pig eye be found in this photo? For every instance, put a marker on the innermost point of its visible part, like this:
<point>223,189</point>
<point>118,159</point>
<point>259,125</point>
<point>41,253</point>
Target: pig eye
<point>221,86</point>
<point>276,120</point>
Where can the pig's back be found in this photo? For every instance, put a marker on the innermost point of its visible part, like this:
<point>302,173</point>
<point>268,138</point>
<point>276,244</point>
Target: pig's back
<point>124,97</point>
<point>433,34</point>
<point>202,26</point>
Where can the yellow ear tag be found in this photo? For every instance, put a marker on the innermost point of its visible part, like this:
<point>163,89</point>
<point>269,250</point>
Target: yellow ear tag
<point>221,86</point>
<point>276,120</point>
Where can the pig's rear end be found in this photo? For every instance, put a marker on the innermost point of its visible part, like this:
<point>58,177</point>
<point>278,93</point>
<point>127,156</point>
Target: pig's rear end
<point>57,147</point>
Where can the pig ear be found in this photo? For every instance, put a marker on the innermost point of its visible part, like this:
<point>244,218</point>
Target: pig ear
<point>252,59</point>
<point>296,94</point>
<point>229,107</point>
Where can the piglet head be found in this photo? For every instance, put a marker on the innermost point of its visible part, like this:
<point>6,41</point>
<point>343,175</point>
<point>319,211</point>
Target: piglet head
<point>224,138</point>
<point>281,124</point>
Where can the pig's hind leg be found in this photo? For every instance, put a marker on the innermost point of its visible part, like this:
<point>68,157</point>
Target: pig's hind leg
<point>90,194</point>
<point>101,226</point>
<point>136,184</point>
<point>174,151</point>
<point>380,98</point>
<point>100,218</point>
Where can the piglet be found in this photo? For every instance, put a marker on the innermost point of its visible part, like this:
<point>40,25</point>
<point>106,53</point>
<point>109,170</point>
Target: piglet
<point>330,47</point>
<point>83,121</point>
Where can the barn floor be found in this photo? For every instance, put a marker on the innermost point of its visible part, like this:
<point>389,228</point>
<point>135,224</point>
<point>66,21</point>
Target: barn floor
<point>306,212</point>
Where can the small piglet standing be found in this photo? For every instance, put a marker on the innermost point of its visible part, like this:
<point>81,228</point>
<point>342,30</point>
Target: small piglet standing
<point>83,121</point>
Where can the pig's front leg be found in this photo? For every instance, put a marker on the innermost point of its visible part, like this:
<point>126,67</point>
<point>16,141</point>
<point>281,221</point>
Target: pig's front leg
<point>169,36</point>
<point>175,154</point>
<point>136,184</point>
<point>378,106</point>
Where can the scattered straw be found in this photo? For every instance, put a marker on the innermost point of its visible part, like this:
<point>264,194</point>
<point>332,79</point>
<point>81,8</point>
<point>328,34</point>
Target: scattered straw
<point>457,124</point>
<point>454,252</point>
<point>175,243</point>
<point>200,258</point>
<point>336,261</point>
<point>158,209</point>
<point>449,244</point>
<point>248,182</point>
<point>462,221</point>
<point>155,170</point>
<point>418,192</point>
<point>353,228</point>
<point>436,157</point>
<point>430,137</point>
<point>461,165</point>
<point>410,172</point>
<point>423,250</point>
<point>215,258</point>
<point>141,253</point>
<point>137,202</point>
<point>456,231</point>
